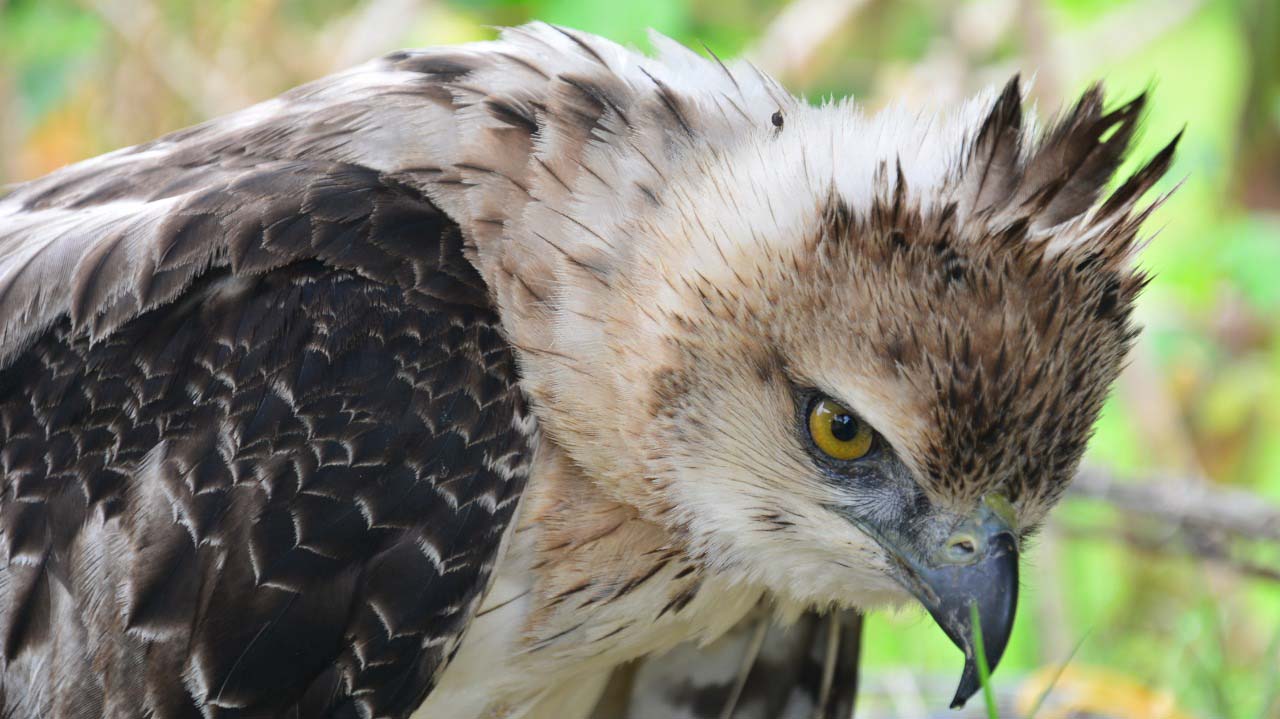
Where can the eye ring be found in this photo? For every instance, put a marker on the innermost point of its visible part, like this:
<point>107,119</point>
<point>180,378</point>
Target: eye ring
<point>837,431</point>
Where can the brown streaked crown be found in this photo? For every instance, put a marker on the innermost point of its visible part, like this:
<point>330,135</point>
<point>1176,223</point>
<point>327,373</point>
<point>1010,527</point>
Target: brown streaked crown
<point>1007,305</point>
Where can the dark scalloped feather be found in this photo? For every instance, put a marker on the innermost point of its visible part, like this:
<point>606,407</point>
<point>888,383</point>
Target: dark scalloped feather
<point>243,494</point>
<point>672,102</point>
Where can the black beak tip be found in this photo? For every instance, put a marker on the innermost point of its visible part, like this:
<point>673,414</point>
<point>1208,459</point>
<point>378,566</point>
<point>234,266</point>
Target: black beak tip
<point>992,587</point>
<point>969,685</point>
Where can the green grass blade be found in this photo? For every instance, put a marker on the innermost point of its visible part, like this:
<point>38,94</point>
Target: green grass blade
<point>1271,697</point>
<point>984,671</point>
<point>1040,700</point>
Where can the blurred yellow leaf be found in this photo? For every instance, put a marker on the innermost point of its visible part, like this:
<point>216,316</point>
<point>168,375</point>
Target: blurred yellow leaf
<point>1094,692</point>
<point>61,138</point>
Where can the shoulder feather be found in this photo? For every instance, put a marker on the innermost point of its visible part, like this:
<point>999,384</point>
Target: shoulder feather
<point>481,129</point>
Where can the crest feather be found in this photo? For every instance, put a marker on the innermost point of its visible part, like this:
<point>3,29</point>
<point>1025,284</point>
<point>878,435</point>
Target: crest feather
<point>1012,176</point>
<point>996,152</point>
<point>1071,166</point>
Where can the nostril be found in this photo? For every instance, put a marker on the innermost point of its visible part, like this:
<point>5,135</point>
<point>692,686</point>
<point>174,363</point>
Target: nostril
<point>961,547</point>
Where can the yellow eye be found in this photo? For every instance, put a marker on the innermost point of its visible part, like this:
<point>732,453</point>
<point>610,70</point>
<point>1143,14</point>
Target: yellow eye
<point>837,431</point>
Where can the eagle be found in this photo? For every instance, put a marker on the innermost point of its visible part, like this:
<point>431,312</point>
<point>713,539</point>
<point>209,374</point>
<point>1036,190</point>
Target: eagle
<point>444,386</point>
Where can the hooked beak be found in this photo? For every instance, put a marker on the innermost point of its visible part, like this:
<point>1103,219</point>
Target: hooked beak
<point>977,566</point>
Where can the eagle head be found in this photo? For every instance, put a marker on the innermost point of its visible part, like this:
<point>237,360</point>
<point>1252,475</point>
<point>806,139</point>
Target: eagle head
<point>855,360</point>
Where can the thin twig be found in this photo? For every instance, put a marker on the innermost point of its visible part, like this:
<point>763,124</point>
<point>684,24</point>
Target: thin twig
<point>748,661</point>
<point>191,78</point>
<point>1192,517</point>
<point>1190,545</point>
<point>790,44</point>
<point>373,28</point>
<point>9,134</point>
<point>1120,33</point>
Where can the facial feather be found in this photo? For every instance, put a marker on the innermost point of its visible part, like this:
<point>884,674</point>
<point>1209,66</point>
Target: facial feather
<point>954,280</point>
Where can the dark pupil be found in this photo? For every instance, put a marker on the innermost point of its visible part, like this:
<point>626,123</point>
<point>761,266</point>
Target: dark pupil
<point>844,427</point>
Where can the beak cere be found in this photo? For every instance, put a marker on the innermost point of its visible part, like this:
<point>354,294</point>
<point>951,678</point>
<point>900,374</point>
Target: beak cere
<point>978,567</point>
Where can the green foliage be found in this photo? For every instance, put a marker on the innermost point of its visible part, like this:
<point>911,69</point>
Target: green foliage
<point>626,22</point>
<point>46,43</point>
<point>984,670</point>
<point>71,85</point>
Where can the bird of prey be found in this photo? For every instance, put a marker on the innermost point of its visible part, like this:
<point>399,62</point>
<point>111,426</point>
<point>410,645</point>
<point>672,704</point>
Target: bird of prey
<point>441,387</point>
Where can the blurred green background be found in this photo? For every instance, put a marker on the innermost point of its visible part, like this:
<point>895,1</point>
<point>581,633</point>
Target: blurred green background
<point>1166,618</point>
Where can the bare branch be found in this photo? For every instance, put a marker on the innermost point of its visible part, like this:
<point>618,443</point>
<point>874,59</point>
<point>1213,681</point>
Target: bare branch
<point>1184,501</point>
<point>1191,542</point>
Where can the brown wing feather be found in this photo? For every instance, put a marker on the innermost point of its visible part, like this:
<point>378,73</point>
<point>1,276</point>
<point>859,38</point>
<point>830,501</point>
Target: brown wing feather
<point>279,489</point>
